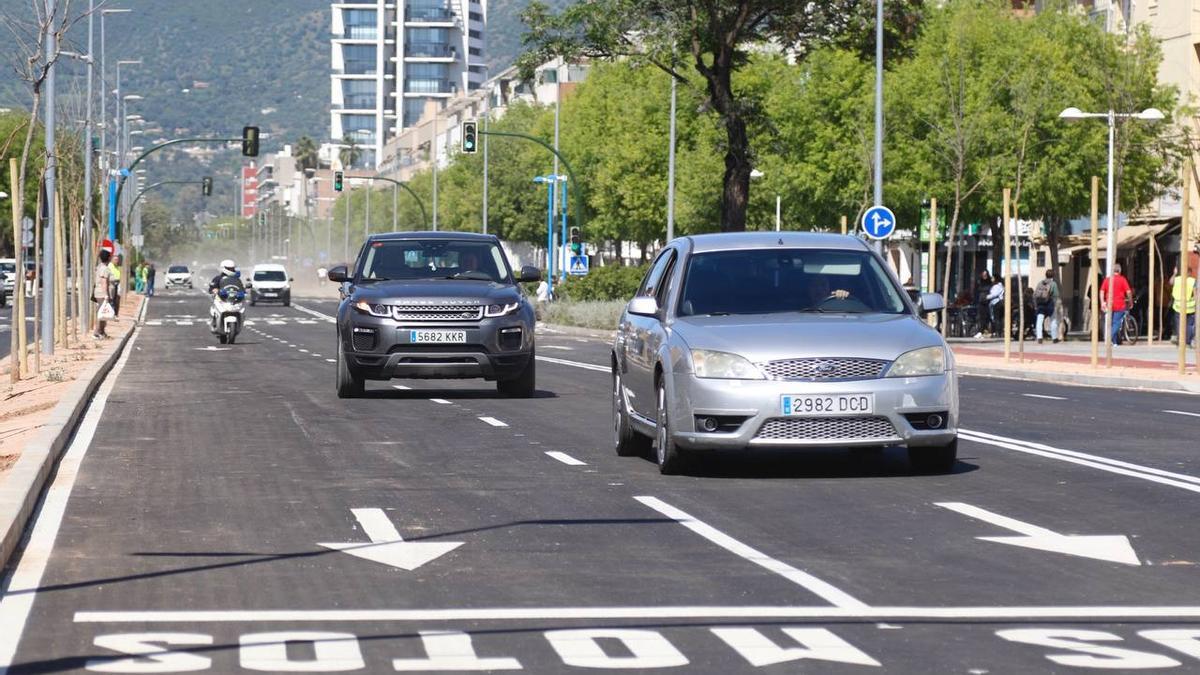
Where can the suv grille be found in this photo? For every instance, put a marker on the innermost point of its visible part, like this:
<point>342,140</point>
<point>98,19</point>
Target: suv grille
<point>826,429</point>
<point>437,312</point>
<point>820,369</point>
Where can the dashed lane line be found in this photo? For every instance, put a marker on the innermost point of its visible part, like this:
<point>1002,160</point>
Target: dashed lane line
<point>440,401</point>
<point>1046,396</point>
<point>575,364</point>
<point>565,458</point>
<point>311,312</point>
<point>1182,412</point>
<point>823,589</point>
<point>493,421</point>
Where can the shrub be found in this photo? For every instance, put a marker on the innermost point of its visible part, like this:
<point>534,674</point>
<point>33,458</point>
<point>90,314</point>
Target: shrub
<point>612,282</point>
<point>597,314</point>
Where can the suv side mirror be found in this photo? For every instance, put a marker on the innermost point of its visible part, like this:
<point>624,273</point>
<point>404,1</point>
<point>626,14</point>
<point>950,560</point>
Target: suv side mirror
<point>291,279</point>
<point>529,273</point>
<point>643,306</point>
<point>931,302</point>
<point>338,274</point>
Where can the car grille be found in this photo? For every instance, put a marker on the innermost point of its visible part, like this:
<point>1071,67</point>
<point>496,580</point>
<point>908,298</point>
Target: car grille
<point>437,312</point>
<point>822,369</point>
<point>363,341</point>
<point>826,429</point>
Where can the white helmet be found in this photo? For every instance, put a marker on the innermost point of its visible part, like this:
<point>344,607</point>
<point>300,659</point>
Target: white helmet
<point>228,267</point>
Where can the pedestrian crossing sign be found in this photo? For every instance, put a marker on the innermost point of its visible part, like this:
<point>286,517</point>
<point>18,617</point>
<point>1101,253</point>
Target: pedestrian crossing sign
<point>578,266</point>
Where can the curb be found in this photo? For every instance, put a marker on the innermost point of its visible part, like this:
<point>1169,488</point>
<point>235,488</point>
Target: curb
<point>1083,379</point>
<point>574,331</point>
<point>21,488</point>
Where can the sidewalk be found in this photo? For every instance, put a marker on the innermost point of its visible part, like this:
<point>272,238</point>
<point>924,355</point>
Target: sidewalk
<point>1133,367</point>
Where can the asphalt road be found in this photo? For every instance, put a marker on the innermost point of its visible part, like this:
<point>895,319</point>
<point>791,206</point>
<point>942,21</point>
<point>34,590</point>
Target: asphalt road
<point>227,513</point>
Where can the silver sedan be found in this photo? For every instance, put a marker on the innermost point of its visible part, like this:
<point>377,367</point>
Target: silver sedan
<point>780,340</point>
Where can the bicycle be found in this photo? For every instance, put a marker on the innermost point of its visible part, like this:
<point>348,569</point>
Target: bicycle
<point>1129,328</point>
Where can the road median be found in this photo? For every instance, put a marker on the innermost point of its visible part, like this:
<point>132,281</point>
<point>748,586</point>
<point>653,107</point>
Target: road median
<point>21,486</point>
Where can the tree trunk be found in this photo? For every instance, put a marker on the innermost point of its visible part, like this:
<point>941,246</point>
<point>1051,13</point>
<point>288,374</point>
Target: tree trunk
<point>951,239</point>
<point>736,194</point>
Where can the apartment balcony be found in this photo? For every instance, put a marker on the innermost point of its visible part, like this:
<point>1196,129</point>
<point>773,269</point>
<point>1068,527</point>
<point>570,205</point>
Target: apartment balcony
<point>357,67</point>
<point>358,33</point>
<point>422,87</point>
<point>430,50</point>
<point>357,103</point>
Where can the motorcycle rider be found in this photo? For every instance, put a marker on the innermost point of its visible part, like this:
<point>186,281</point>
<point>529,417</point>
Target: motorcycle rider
<point>229,276</point>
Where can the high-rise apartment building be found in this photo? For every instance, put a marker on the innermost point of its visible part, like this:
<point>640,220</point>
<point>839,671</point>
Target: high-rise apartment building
<point>391,56</point>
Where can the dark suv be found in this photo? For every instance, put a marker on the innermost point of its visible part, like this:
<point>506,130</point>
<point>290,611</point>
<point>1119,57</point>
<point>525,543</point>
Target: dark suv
<point>434,305</point>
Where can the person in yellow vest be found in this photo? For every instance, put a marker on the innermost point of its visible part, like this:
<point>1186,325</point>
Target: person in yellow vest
<point>114,268</point>
<point>1183,293</point>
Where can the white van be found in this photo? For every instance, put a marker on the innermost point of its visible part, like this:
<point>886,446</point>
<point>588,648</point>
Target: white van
<point>270,283</point>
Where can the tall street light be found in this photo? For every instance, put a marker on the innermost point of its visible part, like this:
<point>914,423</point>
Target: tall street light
<point>1147,115</point>
<point>104,106</point>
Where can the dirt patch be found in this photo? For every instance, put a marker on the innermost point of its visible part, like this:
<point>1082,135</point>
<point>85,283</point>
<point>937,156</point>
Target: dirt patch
<point>25,406</point>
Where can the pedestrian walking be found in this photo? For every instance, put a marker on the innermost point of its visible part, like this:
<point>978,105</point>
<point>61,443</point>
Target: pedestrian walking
<point>114,270</point>
<point>1046,298</point>
<point>1117,302</point>
<point>102,285</point>
<point>150,273</point>
<point>1183,299</point>
<point>995,300</point>
<point>983,311</point>
<point>137,278</point>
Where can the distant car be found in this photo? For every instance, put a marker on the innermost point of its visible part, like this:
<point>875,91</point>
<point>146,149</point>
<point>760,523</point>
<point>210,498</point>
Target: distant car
<point>179,276</point>
<point>434,305</point>
<point>755,340</point>
<point>270,283</point>
<point>8,279</point>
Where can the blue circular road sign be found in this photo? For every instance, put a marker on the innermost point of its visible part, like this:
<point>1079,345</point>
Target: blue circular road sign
<point>879,222</point>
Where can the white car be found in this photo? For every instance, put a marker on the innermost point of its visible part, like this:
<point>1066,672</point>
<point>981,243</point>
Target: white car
<point>8,279</point>
<point>270,283</point>
<point>179,276</point>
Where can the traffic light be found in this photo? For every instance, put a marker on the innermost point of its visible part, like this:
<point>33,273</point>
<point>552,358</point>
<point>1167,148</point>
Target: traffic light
<point>337,181</point>
<point>250,141</point>
<point>469,135</point>
<point>576,241</point>
<point>206,186</point>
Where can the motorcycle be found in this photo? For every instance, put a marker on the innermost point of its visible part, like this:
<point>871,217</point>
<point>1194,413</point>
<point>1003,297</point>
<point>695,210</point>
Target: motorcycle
<point>227,313</point>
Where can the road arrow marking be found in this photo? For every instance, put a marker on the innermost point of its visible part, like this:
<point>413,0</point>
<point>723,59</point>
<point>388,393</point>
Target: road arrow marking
<point>387,547</point>
<point>1112,548</point>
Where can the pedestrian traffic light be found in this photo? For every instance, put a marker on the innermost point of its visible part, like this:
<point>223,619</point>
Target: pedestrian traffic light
<point>206,186</point>
<point>250,141</point>
<point>337,181</point>
<point>469,137</point>
<point>576,241</point>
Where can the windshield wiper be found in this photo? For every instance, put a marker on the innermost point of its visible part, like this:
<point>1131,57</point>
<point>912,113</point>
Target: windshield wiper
<point>374,279</point>
<point>470,276</point>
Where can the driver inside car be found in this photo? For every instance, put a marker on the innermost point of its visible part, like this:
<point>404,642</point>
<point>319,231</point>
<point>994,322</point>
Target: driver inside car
<point>819,291</point>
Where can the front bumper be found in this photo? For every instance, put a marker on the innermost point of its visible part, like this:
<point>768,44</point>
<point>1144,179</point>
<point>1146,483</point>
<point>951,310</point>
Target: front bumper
<point>271,294</point>
<point>759,402</point>
<point>379,348</point>
<point>178,282</point>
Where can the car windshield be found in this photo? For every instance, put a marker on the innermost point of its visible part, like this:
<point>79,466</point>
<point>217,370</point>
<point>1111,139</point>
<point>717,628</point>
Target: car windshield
<point>768,281</point>
<point>8,267</point>
<point>177,269</point>
<point>270,275</point>
<point>433,259</point>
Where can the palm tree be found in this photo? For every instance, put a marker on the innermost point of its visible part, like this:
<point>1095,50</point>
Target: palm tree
<point>351,153</point>
<point>307,153</point>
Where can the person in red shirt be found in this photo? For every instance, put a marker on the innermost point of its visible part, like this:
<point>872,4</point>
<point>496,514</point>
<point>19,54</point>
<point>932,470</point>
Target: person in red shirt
<point>1118,301</point>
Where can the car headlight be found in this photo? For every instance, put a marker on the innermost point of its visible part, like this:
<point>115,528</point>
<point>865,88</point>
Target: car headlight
<point>501,310</point>
<point>723,365</point>
<point>925,361</point>
<point>365,307</point>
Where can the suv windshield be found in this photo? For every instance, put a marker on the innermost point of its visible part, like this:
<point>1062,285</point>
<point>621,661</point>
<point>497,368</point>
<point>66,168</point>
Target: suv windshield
<point>8,267</point>
<point>433,259</point>
<point>767,281</point>
<point>270,275</point>
<point>177,269</point>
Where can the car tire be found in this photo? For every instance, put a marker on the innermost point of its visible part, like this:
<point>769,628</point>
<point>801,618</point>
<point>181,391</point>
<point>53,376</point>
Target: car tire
<point>229,340</point>
<point>223,339</point>
<point>348,385</point>
<point>669,456</point>
<point>935,460</point>
<point>523,385</point>
<point>287,302</point>
<point>627,441</point>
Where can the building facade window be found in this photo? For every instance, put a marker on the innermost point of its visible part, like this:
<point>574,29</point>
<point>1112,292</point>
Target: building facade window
<point>359,94</point>
<point>361,128</point>
<point>359,59</point>
<point>361,24</point>
<point>413,108</point>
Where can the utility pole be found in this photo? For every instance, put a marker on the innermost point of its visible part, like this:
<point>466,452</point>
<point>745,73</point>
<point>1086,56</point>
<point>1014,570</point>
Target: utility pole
<point>670,166</point>
<point>83,301</point>
<point>433,152</point>
<point>487,102</point>
<point>878,112</point>
<point>47,273</point>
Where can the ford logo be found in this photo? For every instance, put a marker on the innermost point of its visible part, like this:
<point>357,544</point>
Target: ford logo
<point>826,368</point>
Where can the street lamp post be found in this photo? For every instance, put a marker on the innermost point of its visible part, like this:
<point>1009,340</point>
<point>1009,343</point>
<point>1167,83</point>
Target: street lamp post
<point>1147,115</point>
<point>104,107</point>
<point>549,181</point>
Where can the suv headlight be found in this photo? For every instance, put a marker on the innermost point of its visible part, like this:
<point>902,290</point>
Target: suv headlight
<point>382,311</point>
<point>501,310</point>
<point>918,362</point>
<point>723,365</point>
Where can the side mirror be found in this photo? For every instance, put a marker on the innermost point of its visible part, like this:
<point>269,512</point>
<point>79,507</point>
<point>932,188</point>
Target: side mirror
<point>643,306</point>
<point>338,274</point>
<point>529,273</point>
<point>291,279</point>
<point>931,302</point>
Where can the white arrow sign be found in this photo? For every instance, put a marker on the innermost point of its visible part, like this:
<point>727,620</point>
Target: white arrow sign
<point>387,547</point>
<point>1112,548</point>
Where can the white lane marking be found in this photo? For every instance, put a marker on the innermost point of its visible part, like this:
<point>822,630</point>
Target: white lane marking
<point>493,421</point>
<point>400,387</point>
<point>276,322</point>
<point>897,613</point>
<point>1117,466</point>
<point>18,599</point>
<point>560,348</point>
<point>303,351</point>
<point>148,323</point>
<point>1046,396</point>
<point>822,589</point>
<point>1110,548</point>
<point>440,401</point>
<point>183,323</point>
<point>386,545</point>
<point>331,360</point>
<point>315,313</point>
<point>317,355</point>
<point>1182,412</point>
<point>565,458</point>
<point>575,364</point>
